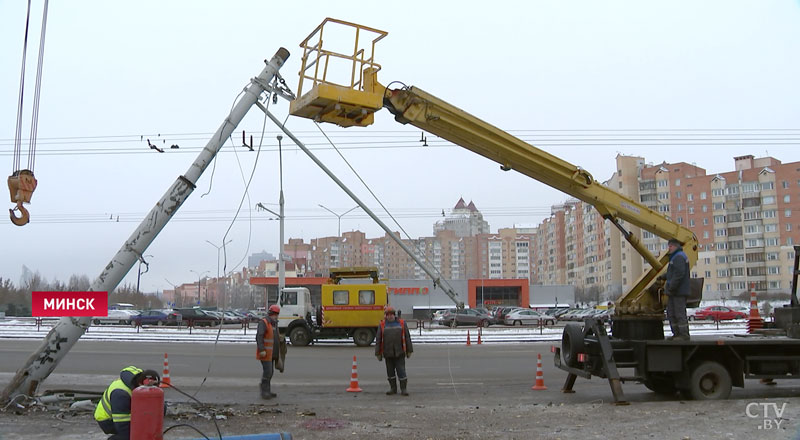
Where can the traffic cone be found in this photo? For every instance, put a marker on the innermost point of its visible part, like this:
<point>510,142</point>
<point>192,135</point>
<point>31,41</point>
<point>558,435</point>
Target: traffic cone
<point>754,322</point>
<point>480,331</point>
<point>468,341</point>
<point>354,388</point>
<point>539,385</point>
<point>165,382</point>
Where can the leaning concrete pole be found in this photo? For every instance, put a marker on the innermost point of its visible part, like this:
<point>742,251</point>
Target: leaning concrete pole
<point>67,331</point>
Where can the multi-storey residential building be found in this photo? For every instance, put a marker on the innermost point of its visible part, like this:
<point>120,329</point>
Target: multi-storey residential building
<point>465,220</point>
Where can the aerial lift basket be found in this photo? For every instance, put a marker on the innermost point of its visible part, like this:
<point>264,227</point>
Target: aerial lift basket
<point>333,96</point>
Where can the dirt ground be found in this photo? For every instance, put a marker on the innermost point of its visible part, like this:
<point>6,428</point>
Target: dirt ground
<point>367,416</point>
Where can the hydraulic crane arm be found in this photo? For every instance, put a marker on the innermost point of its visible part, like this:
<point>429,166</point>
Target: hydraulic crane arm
<point>414,106</point>
<point>354,100</point>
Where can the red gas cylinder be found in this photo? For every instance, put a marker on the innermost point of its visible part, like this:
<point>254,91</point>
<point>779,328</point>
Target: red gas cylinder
<point>147,413</point>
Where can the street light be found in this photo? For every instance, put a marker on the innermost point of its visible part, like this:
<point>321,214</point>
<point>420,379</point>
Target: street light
<point>176,301</point>
<point>199,276</point>
<point>281,264</point>
<point>219,248</point>
<point>339,216</point>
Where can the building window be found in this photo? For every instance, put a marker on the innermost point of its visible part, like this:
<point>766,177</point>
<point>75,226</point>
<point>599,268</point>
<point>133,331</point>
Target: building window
<point>768,200</point>
<point>691,222</point>
<point>787,213</point>
<point>705,220</point>
<point>703,195</point>
<point>690,196</point>
<point>677,182</point>
<point>705,208</point>
<point>705,234</point>
<point>787,198</point>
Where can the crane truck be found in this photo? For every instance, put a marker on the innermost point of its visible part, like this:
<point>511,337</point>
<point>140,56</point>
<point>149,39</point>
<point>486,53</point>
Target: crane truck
<point>701,368</point>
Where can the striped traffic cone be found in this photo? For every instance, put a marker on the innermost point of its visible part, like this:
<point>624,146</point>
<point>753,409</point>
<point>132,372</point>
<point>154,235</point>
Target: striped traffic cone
<point>754,322</point>
<point>539,385</point>
<point>165,382</point>
<point>480,331</point>
<point>354,388</point>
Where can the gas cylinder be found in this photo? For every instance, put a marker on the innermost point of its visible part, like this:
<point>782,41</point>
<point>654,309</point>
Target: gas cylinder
<point>147,413</point>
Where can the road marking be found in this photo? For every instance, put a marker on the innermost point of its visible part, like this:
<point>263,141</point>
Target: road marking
<point>447,384</point>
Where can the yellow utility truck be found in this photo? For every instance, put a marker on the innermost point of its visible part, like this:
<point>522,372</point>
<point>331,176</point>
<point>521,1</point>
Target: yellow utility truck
<point>349,308</point>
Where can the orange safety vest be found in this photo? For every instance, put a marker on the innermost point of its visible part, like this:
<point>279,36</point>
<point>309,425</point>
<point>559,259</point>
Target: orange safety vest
<point>403,329</point>
<point>269,341</point>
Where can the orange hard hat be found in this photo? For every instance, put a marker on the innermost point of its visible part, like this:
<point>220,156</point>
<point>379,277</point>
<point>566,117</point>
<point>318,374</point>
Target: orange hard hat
<point>389,311</point>
<point>276,309</point>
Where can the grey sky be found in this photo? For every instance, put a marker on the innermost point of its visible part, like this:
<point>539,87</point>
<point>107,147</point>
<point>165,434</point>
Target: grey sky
<point>115,71</point>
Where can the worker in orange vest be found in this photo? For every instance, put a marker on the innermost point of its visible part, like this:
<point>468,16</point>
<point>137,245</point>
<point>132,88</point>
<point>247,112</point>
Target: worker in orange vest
<point>393,343</point>
<point>267,351</point>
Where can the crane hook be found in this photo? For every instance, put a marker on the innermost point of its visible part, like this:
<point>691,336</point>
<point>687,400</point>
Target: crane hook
<point>23,219</point>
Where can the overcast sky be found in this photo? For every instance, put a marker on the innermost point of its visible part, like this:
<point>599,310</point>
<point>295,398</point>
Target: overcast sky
<point>699,82</point>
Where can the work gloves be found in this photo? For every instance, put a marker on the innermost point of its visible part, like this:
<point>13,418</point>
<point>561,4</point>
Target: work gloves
<point>262,353</point>
<point>408,355</point>
<point>379,356</point>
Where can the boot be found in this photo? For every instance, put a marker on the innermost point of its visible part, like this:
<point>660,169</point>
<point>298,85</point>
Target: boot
<point>393,385</point>
<point>265,390</point>
<point>403,383</point>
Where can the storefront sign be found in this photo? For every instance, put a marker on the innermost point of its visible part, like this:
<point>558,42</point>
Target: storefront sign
<point>408,290</point>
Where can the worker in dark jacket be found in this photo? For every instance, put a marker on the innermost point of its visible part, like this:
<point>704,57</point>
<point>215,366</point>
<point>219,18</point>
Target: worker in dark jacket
<point>267,340</point>
<point>676,288</point>
<point>113,412</point>
<point>394,344</point>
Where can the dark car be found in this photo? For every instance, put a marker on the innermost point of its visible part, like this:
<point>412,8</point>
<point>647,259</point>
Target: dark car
<point>157,317</point>
<point>198,317</point>
<point>466,317</point>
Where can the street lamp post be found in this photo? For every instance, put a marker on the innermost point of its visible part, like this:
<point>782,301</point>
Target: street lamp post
<point>199,276</point>
<point>219,248</point>
<point>281,264</point>
<point>339,216</point>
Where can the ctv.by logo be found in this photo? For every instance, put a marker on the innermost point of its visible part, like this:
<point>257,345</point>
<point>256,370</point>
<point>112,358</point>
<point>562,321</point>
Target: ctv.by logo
<point>765,411</point>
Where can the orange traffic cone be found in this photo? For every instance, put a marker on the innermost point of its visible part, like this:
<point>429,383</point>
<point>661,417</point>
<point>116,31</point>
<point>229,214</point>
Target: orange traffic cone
<point>165,382</point>
<point>539,385</point>
<point>354,388</point>
<point>480,331</point>
<point>468,341</point>
<point>754,322</point>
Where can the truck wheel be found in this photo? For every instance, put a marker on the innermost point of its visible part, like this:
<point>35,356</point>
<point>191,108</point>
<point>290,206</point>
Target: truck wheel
<point>710,381</point>
<point>572,344</point>
<point>300,336</point>
<point>363,337</point>
<point>661,384</point>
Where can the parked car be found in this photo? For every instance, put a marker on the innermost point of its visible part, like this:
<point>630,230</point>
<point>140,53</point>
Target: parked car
<point>718,313</point>
<point>528,317</point>
<point>466,317</point>
<point>123,317</point>
<point>501,312</point>
<point>198,317</point>
<point>157,317</point>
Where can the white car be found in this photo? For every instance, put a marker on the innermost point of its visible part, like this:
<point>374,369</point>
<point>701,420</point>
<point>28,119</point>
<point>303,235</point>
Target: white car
<point>124,317</point>
<point>528,317</point>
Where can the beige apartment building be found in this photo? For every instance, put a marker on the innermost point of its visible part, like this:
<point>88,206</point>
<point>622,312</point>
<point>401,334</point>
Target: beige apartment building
<point>745,221</point>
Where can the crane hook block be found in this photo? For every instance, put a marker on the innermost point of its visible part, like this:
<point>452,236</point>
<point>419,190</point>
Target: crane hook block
<point>21,185</point>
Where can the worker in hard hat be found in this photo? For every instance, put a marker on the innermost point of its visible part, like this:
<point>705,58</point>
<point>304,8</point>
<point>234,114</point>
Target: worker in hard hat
<point>393,343</point>
<point>267,339</point>
<point>113,412</point>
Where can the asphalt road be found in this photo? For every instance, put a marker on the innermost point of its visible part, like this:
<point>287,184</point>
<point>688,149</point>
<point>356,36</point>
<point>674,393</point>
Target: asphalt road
<point>466,374</point>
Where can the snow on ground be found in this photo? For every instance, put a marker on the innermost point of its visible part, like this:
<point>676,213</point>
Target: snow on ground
<point>23,329</point>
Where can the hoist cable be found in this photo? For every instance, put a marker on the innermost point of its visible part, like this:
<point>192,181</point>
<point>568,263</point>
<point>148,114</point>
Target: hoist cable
<point>37,92</point>
<point>18,133</point>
